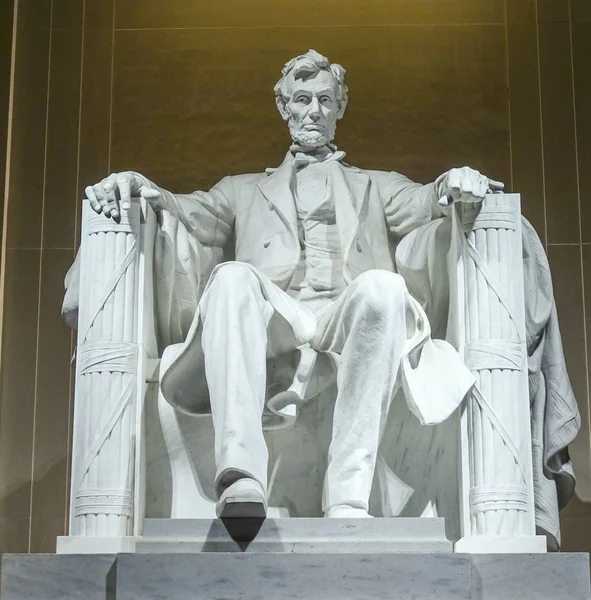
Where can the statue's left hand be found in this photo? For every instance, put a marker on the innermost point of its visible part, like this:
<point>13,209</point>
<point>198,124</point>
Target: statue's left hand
<point>465,185</point>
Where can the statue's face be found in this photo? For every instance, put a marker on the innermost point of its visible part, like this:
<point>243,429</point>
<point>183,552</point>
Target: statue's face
<point>313,109</point>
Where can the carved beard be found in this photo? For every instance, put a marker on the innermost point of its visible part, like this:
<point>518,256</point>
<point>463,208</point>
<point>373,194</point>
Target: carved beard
<point>311,139</point>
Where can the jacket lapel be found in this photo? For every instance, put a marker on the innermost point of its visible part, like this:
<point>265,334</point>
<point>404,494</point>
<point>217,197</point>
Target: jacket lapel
<point>278,192</point>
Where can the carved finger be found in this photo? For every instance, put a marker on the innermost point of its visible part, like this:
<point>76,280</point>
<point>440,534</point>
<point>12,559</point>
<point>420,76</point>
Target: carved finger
<point>109,183</point>
<point>99,192</point>
<point>113,203</point>
<point>124,191</point>
<point>110,188</point>
<point>482,187</point>
<point>454,184</point>
<point>94,203</point>
<point>496,186</point>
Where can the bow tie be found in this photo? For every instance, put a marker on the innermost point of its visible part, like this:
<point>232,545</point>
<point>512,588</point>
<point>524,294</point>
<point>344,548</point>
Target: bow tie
<point>302,159</point>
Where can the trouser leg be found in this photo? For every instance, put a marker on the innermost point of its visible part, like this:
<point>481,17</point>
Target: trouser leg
<point>368,328</point>
<point>235,317</point>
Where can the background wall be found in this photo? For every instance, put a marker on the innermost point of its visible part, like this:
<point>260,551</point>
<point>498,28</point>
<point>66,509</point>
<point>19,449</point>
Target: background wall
<point>182,91</point>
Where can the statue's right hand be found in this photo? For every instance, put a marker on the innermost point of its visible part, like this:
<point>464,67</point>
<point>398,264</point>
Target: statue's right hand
<point>114,193</point>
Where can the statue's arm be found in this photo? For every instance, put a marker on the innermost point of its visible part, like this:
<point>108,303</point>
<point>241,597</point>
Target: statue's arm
<point>408,205</point>
<point>209,216</point>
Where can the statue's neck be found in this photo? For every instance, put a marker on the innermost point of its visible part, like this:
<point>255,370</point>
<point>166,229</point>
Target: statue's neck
<point>320,153</point>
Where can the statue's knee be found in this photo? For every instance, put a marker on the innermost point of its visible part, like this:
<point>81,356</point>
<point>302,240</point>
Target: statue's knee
<point>380,291</point>
<point>234,277</point>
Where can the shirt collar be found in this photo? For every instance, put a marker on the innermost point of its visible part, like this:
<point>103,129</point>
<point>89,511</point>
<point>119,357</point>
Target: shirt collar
<point>301,157</point>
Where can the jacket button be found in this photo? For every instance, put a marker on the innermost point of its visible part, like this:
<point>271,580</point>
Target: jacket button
<point>267,244</point>
<point>358,246</point>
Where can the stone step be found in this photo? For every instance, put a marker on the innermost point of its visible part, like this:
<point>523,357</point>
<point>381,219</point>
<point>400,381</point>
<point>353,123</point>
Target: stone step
<point>298,535</point>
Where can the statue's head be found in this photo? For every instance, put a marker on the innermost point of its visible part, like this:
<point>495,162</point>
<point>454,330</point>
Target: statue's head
<point>311,96</point>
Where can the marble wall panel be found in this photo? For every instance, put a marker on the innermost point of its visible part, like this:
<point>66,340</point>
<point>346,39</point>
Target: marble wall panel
<point>14,534</point>
<point>520,11</point>
<point>44,532</point>
<point>434,98</point>
<point>19,347</point>
<point>27,151</point>
<point>59,211</point>
<point>575,526</point>
<point>583,449</point>
<point>527,163</point>
<point>553,11</point>
<point>6,20</point>
<point>67,14</point>
<point>154,14</point>
<point>580,10</point>
<point>558,129</point>
<point>95,115</point>
<point>99,15</point>
<point>581,45</point>
<point>565,264</point>
<point>52,405</point>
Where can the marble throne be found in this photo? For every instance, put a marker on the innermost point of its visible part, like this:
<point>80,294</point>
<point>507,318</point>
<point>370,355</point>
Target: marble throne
<point>136,458</point>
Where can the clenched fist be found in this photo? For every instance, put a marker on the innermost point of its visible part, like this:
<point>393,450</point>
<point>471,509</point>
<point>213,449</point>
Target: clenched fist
<point>465,185</point>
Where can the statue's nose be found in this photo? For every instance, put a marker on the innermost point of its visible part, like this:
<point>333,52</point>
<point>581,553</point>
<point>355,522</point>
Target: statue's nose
<point>314,113</point>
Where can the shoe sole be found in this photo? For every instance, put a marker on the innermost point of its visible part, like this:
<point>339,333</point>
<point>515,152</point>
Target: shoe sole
<point>242,509</point>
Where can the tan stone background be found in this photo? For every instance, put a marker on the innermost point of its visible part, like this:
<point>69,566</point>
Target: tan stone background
<point>182,91</point>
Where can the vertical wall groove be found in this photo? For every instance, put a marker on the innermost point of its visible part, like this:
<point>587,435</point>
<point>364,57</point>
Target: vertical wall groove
<point>541,124</point>
<point>40,274</point>
<point>578,181</point>
<point>73,335</point>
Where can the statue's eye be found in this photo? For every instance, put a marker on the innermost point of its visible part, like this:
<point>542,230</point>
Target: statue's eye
<point>302,100</point>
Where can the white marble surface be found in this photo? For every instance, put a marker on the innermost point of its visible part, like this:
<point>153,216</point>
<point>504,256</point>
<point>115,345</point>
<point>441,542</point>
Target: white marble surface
<point>296,576</point>
<point>502,544</point>
<point>531,577</point>
<point>78,544</point>
<point>351,536</point>
<point>51,577</point>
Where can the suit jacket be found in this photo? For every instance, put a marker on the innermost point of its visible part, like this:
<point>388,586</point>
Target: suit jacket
<point>374,209</point>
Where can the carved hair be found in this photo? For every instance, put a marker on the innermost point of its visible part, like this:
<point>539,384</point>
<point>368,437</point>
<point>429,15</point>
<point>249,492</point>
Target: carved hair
<point>308,65</point>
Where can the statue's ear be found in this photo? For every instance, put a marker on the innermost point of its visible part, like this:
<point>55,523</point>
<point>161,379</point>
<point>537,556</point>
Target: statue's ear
<point>281,107</point>
<point>342,107</point>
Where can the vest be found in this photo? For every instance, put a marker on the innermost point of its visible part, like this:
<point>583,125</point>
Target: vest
<point>318,277</point>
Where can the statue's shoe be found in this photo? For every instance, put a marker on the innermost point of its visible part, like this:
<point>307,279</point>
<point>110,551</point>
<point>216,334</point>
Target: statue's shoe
<point>245,498</point>
<point>344,511</point>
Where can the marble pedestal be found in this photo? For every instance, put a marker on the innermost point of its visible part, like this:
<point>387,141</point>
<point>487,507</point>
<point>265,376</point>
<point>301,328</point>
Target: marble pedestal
<point>352,536</point>
<point>263,576</point>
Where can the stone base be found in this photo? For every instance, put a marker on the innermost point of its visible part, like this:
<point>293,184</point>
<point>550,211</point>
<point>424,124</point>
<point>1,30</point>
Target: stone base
<point>254,576</point>
<point>502,544</point>
<point>327,536</point>
<point>94,545</point>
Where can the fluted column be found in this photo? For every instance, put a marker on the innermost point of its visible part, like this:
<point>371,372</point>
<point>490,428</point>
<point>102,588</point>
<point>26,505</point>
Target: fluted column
<point>497,477</point>
<point>106,376</point>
